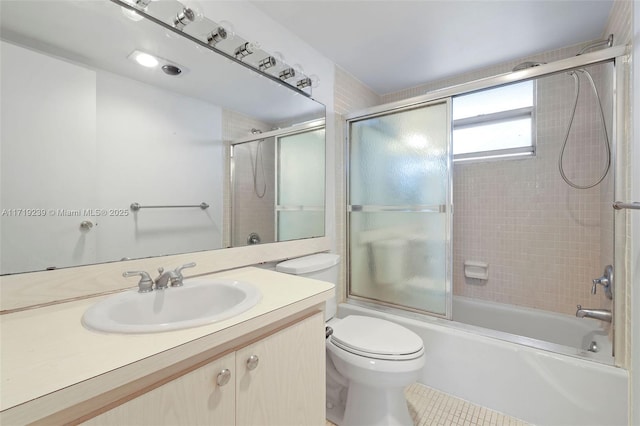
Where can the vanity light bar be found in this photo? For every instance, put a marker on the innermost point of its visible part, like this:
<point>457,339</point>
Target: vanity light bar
<point>187,15</point>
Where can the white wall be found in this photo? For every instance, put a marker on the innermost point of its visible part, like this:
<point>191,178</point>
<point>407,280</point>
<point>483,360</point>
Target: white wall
<point>124,142</point>
<point>62,97</point>
<point>157,147</point>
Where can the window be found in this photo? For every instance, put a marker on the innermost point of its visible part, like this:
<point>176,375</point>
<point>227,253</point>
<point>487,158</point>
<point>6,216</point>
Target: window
<point>495,123</point>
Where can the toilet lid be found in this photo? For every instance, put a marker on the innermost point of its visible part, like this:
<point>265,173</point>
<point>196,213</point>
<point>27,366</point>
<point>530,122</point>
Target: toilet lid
<point>376,338</point>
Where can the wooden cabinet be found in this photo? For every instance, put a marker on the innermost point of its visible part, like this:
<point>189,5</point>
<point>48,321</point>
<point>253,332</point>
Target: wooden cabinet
<point>284,384</point>
<point>287,386</point>
<point>192,399</point>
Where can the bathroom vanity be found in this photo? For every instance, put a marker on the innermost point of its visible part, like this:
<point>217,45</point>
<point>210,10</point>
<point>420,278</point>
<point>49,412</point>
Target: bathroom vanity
<point>264,366</point>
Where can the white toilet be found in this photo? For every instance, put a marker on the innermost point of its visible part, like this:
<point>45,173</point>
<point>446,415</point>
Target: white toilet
<point>369,361</point>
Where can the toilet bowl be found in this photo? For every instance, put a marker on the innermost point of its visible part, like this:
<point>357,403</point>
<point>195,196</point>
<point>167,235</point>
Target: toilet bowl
<point>369,360</point>
<point>378,359</point>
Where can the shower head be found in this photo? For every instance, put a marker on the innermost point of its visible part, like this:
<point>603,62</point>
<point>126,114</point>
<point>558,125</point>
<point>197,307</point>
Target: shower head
<point>528,64</point>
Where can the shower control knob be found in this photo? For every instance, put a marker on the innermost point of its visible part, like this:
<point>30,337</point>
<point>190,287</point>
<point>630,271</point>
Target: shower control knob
<point>252,362</point>
<point>223,377</point>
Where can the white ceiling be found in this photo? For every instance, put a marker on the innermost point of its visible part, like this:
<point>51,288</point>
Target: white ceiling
<point>392,45</point>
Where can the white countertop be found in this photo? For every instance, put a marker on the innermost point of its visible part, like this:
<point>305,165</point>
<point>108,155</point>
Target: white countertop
<point>47,349</point>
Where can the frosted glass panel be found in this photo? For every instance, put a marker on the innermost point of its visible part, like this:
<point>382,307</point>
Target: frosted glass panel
<point>301,185</point>
<point>399,219</point>
<point>400,258</point>
<point>401,158</point>
<point>293,225</point>
<point>301,169</point>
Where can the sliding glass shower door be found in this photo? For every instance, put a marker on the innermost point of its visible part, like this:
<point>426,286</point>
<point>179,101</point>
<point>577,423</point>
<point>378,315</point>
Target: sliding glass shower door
<point>399,208</point>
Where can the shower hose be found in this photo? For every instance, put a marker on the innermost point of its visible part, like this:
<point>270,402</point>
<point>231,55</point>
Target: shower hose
<point>566,137</point>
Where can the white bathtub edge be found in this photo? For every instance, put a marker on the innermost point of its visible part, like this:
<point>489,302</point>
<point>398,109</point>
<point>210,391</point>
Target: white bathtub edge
<point>534,385</point>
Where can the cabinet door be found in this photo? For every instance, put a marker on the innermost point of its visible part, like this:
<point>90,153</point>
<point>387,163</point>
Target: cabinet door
<point>287,385</point>
<point>192,399</point>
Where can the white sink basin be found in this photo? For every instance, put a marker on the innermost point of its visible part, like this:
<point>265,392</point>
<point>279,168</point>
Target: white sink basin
<point>198,302</point>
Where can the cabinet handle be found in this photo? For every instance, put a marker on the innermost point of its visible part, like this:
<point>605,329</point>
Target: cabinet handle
<point>223,377</point>
<point>252,362</point>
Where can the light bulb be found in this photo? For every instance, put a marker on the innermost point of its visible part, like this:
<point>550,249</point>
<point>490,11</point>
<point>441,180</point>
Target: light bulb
<point>315,80</point>
<point>217,35</point>
<point>267,63</point>
<point>287,73</point>
<point>246,49</point>
<point>305,82</point>
<point>190,12</point>
<point>279,57</point>
<point>229,28</point>
<point>138,4</point>
<point>146,60</point>
<point>298,69</point>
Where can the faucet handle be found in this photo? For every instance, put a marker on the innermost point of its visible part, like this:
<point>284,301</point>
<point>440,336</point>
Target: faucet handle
<point>145,284</point>
<point>179,269</point>
<point>606,281</point>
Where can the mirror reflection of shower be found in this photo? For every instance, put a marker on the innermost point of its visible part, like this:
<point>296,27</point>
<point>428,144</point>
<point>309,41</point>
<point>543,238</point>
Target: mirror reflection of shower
<point>277,185</point>
<point>254,165</point>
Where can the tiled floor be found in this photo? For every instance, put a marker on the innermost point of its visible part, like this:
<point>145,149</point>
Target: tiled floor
<point>429,407</point>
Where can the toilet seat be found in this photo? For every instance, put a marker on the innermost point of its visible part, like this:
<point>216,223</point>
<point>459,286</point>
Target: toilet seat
<point>376,338</point>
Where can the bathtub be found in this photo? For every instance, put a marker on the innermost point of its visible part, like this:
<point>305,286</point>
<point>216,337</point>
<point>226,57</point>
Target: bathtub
<point>559,333</point>
<point>539,386</point>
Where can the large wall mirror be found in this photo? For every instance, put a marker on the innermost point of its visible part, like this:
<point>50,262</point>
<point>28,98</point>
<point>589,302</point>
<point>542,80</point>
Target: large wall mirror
<point>105,159</point>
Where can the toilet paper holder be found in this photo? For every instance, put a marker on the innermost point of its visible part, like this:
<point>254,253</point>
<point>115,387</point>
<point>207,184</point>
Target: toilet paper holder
<point>476,269</point>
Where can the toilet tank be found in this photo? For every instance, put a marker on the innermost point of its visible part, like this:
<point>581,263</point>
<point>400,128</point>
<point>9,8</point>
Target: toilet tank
<point>321,266</point>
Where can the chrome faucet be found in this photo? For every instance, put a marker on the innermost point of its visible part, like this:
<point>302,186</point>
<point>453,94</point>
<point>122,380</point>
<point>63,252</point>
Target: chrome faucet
<point>599,314</point>
<point>162,281</point>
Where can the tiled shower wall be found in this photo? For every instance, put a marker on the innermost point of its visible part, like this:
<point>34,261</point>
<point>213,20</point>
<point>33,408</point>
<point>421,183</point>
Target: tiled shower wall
<point>540,237</point>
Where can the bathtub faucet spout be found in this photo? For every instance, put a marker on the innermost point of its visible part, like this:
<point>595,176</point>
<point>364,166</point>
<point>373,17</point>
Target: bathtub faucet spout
<point>599,314</point>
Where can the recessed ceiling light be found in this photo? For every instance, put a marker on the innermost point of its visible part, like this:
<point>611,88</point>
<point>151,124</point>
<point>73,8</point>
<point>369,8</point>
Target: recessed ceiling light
<point>144,59</point>
<point>152,61</point>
